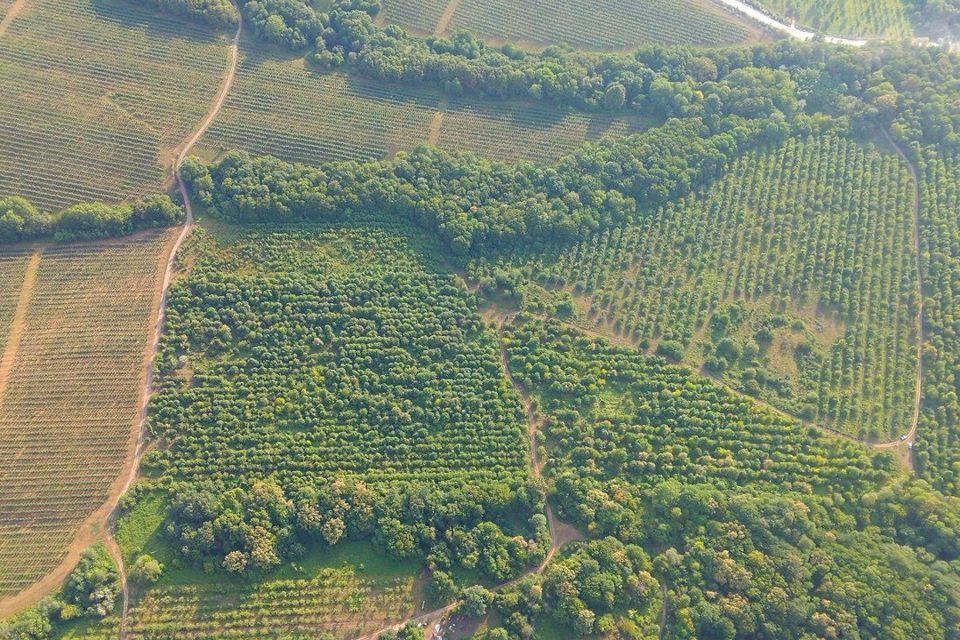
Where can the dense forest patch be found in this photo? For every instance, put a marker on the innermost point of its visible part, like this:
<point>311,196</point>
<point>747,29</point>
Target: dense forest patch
<point>342,350</point>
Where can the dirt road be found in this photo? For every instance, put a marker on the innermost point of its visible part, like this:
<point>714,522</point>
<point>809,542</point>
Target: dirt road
<point>921,330</point>
<point>19,323</point>
<point>15,9</point>
<point>151,355</point>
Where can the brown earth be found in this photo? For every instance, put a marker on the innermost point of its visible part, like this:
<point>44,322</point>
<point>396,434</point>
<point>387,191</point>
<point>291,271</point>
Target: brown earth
<point>15,9</point>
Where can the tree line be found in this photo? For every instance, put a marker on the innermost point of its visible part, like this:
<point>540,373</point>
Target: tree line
<point>21,221</point>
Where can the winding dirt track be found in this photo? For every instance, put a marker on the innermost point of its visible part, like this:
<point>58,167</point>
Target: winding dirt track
<point>561,533</point>
<point>98,526</point>
<point>11,13</point>
<point>921,330</point>
<point>184,150</point>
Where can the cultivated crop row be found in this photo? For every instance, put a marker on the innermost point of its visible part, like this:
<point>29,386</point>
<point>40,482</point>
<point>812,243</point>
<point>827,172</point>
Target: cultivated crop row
<point>507,131</point>
<point>336,601</point>
<point>639,420</point>
<point>847,17</point>
<point>791,278</point>
<point>599,24</point>
<point>69,408</point>
<point>101,92</point>
<point>938,434</point>
<point>419,17</point>
<point>282,108</point>
<point>325,353</point>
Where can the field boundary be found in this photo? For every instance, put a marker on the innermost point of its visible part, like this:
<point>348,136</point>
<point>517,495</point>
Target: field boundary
<point>18,323</point>
<point>97,525</point>
<point>433,133</point>
<point>445,18</point>
<point>15,9</point>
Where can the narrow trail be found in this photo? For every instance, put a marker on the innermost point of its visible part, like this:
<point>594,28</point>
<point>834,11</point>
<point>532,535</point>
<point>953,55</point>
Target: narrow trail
<point>19,323</point>
<point>15,9</point>
<point>433,133</point>
<point>561,533</point>
<point>114,549</point>
<point>157,330</point>
<point>920,328</point>
<point>445,18</point>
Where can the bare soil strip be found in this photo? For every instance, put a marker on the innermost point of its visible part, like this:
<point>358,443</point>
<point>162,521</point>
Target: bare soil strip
<point>151,352</point>
<point>11,13</point>
<point>435,124</point>
<point>445,18</point>
<point>19,323</point>
<point>921,330</point>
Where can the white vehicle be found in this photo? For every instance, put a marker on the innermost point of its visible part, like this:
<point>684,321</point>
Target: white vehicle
<point>903,437</point>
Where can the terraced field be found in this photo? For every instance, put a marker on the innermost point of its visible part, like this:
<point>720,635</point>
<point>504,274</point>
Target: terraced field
<point>587,24</point>
<point>280,107</point>
<point>846,17</point>
<point>792,279</point>
<point>97,93</point>
<point>71,400</point>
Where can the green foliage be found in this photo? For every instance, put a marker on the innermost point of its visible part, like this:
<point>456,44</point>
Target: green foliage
<point>146,570</point>
<point>717,279</point>
<point>474,602</point>
<point>617,416</point>
<point>475,205</point>
<point>937,454</point>
<point>218,13</point>
<point>374,389</point>
<point>599,577</point>
<point>291,23</point>
<point>20,221</point>
<point>93,585</point>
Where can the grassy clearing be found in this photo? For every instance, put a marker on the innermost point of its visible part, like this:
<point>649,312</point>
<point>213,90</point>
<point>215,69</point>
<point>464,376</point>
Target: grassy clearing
<point>71,401</point>
<point>847,17</point>
<point>97,95</point>
<point>585,24</point>
<point>346,590</point>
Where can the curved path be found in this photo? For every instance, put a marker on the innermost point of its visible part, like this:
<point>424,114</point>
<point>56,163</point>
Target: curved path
<point>921,330</point>
<point>561,533</point>
<point>225,85</point>
<point>789,29</point>
<point>758,15</point>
